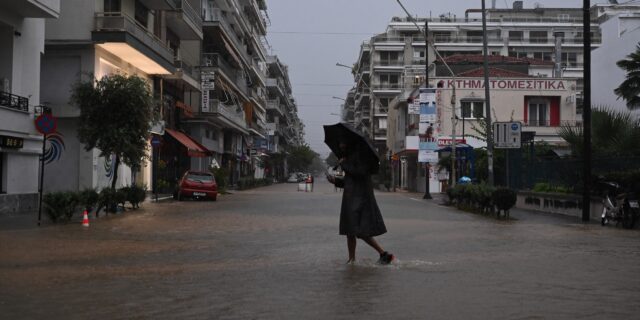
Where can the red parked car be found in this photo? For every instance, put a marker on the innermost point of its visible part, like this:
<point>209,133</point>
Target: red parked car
<point>197,185</point>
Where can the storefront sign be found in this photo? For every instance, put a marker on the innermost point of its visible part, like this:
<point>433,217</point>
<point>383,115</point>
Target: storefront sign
<point>11,142</point>
<point>205,101</point>
<point>517,84</point>
<point>443,142</point>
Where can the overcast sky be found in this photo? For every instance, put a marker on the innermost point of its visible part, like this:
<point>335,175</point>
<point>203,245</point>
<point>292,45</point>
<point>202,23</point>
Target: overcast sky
<point>311,36</point>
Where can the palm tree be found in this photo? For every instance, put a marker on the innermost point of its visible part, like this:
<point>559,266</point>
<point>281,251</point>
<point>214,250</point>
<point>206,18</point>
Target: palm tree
<point>614,133</point>
<point>629,90</point>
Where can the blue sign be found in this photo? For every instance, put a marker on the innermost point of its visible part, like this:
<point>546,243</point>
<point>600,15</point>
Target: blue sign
<point>515,126</point>
<point>155,141</point>
<point>46,123</point>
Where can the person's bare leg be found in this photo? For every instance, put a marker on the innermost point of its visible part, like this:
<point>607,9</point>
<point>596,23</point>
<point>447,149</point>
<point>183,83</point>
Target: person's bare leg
<point>374,244</point>
<point>351,244</point>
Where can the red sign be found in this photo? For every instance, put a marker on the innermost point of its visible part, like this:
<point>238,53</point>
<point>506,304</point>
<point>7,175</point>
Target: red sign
<point>516,84</point>
<point>46,123</point>
<point>443,142</point>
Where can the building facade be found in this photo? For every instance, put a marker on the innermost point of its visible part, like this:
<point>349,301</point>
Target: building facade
<point>22,29</point>
<point>620,25</point>
<point>390,60</point>
<point>156,40</point>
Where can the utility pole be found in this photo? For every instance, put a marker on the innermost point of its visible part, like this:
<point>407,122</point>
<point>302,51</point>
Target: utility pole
<point>487,96</point>
<point>427,167</point>
<point>586,111</point>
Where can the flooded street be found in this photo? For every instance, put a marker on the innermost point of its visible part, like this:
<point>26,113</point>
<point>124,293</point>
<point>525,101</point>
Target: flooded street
<point>274,253</point>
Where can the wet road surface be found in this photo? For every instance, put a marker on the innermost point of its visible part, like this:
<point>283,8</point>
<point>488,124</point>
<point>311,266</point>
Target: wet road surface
<point>274,253</point>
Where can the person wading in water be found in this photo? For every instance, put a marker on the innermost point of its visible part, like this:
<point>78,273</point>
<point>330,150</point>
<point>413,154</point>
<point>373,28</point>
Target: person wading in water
<point>360,216</point>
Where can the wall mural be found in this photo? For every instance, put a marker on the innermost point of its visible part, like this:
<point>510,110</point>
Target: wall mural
<point>109,166</point>
<point>54,147</point>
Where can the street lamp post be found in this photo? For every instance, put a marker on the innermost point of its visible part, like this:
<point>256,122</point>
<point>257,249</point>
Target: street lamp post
<point>586,110</point>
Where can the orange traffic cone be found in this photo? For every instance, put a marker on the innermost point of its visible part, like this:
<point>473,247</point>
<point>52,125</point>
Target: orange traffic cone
<point>85,219</point>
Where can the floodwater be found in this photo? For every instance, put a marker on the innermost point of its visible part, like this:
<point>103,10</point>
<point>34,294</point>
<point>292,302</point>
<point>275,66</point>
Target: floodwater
<point>274,253</point>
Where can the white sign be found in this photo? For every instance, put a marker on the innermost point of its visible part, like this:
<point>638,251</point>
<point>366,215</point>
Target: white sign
<point>414,108</point>
<point>506,135</point>
<point>205,101</point>
<point>207,82</point>
<point>427,156</point>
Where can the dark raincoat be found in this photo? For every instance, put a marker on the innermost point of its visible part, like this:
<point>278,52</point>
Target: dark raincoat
<point>359,214</point>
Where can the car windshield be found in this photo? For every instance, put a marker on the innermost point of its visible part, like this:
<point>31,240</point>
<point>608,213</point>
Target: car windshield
<point>200,177</point>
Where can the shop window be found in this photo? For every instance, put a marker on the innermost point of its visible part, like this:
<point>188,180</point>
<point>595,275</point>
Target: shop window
<point>472,109</point>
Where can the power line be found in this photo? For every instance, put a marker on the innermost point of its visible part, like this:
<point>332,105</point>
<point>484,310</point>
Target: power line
<point>322,85</point>
<point>322,33</point>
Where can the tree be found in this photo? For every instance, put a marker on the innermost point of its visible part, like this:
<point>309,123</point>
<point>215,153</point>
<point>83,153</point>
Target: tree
<point>116,113</point>
<point>629,90</point>
<point>300,158</point>
<point>614,133</point>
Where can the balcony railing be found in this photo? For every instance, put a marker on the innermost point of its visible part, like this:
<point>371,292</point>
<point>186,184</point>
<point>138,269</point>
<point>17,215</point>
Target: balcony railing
<point>387,86</point>
<point>236,76</point>
<point>187,69</point>
<point>216,15</point>
<point>232,113</point>
<point>116,21</point>
<point>13,101</point>
<point>191,13</point>
<point>386,63</point>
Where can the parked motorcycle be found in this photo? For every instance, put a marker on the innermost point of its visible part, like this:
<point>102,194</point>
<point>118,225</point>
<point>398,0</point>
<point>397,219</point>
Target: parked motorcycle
<point>621,207</point>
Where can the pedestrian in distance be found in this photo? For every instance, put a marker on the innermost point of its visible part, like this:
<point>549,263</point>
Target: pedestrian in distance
<point>360,216</point>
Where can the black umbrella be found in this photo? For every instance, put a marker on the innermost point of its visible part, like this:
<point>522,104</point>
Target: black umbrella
<point>334,134</point>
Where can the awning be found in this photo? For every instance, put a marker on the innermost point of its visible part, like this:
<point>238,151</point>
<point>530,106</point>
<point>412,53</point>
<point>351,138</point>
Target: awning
<point>232,52</point>
<point>194,149</point>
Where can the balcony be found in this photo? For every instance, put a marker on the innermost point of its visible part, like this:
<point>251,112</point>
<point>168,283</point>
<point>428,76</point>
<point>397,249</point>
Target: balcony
<point>275,105</point>
<point>396,87</point>
<point>215,17</point>
<point>159,4</point>
<point>32,8</point>
<point>232,74</point>
<point>122,36</point>
<point>185,21</point>
<point>278,85</point>
<point>186,73</point>
<point>233,114</point>
<point>389,63</point>
<point>14,102</point>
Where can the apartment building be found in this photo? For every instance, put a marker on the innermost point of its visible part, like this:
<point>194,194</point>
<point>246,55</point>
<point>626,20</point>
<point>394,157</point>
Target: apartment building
<point>391,60</point>
<point>158,40</point>
<point>282,114</point>
<point>231,113</point>
<point>22,29</point>
<point>620,25</point>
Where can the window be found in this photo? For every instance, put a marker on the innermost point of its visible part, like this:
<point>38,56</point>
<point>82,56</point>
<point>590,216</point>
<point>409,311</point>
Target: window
<point>382,123</point>
<point>539,113</point>
<point>442,36</point>
<point>546,56</point>
<point>569,59</point>
<point>472,109</point>
<point>111,5</point>
<point>474,36</point>
<point>389,80</point>
<point>516,54</point>
<point>141,13</point>
<point>538,37</point>
<point>516,35</point>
